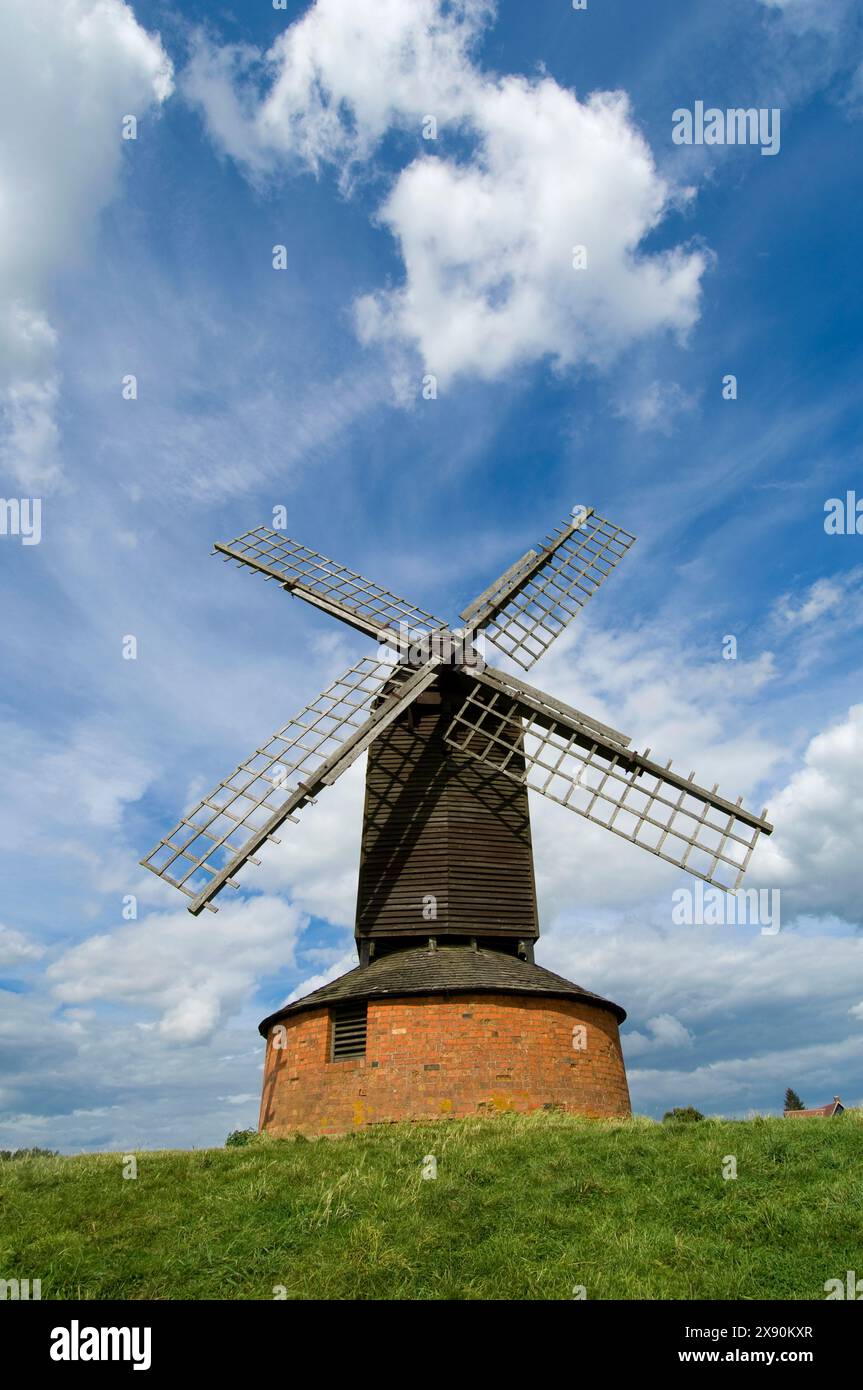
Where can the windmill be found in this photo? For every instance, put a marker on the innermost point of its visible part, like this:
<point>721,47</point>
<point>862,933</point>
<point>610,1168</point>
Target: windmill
<point>454,745</point>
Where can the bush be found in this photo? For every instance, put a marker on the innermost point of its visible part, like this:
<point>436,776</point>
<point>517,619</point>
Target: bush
<point>688,1113</point>
<point>28,1153</point>
<point>238,1137</point>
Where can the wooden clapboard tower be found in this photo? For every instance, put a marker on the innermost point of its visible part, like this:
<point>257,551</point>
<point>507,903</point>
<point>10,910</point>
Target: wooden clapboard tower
<point>447,1011</point>
<point>446,850</point>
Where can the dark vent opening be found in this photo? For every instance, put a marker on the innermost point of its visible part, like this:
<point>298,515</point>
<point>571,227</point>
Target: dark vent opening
<point>349,1031</point>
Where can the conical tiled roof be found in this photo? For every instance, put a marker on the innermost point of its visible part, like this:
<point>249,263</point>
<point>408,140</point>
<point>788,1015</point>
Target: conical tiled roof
<point>446,970</point>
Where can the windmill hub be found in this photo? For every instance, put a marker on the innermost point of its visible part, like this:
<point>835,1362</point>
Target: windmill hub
<point>459,647</point>
<point>447,1013</point>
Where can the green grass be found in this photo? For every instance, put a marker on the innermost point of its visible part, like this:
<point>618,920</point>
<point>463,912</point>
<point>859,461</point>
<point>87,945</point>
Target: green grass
<point>523,1207</point>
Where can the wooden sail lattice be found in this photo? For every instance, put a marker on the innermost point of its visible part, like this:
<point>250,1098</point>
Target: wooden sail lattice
<point>223,831</point>
<point>573,764</point>
<point>317,579</point>
<point>549,586</point>
<point>497,719</point>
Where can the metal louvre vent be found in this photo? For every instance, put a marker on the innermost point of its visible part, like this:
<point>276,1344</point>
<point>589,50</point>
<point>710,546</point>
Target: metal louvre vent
<point>349,1031</point>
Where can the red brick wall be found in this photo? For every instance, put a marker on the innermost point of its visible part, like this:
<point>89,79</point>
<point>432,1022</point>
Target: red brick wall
<point>432,1056</point>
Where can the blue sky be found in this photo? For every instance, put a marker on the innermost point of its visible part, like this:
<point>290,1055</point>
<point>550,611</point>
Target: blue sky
<point>302,387</point>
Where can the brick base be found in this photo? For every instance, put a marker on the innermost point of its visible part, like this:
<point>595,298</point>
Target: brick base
<point>433,1056</point>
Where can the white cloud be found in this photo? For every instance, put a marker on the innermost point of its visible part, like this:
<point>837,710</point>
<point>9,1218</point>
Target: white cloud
<point>347,961</point>
<point>84,783</point>
<point>319,857</point>
<point>487,237</point>
<point>763,1012</point>
<point>840,598</point>
<point>16,948</point>
<point>738,1084</point>
<point>109,1083</point>
<point>703,715</point>
<point>815,854</point>
<point>70,70</point>
<point>656,406</point>
<point>648,683</point>
<point>193,974</point>
<point>665,1031</point>
<point>337,80</point>
<point>488,247</point>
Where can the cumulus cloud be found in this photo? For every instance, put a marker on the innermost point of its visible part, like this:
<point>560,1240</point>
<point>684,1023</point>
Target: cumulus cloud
<point>703,975</point>
<point>192,975</point>
<point>345,962</point>
<point>742,1085</point>
<point>762,1012</point>
<point>704,714</point>
<point>815,854</point>
<point>318,858</point>
<point>87,1080</point>
<point>664,1032</point>
<point>70,70</point>
<point>16,948</point>
<point>488,237</point>
<point>337,80</point>
<point>839,598</point>
<point>84,783</point>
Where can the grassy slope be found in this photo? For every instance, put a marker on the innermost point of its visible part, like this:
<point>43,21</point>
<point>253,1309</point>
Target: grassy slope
<point>523,1207</point>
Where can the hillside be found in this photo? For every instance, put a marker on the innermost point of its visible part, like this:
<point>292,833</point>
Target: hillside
<point>522,1208</point>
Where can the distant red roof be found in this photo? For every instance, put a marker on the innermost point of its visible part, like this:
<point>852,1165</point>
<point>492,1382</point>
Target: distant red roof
<point>823,1111</point>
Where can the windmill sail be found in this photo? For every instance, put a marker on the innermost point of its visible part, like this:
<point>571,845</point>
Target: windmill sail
<point>592,772</point>
<point>536,598</point>
<point>358,601</point>
<point>222,833</point>
<point>499,720</point>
